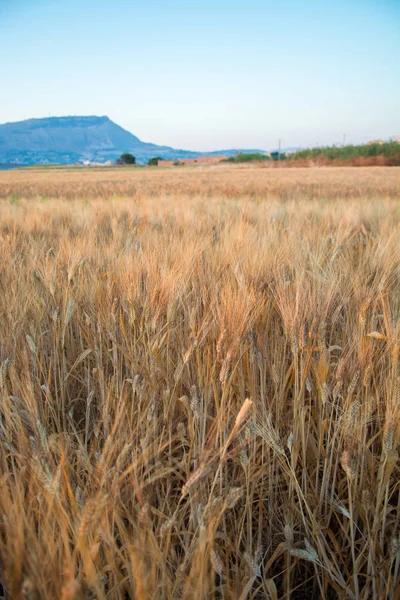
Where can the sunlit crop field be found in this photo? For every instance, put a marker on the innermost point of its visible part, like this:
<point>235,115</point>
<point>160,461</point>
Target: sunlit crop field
<point>200,383</point>
<point>239,181</point>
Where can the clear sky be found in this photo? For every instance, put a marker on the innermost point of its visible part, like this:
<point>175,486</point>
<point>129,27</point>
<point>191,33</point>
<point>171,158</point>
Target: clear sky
<point>207,74</point>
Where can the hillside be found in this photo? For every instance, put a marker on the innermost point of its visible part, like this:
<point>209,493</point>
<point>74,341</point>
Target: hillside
<point>67,140</point>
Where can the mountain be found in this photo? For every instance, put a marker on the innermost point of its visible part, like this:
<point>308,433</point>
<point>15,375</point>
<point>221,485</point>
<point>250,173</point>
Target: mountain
<point>67,140</point>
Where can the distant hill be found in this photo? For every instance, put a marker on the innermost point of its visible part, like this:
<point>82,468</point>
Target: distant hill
<point>67,140</point>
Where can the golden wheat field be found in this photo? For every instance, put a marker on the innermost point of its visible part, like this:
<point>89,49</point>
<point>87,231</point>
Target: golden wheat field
<point>200,384</point>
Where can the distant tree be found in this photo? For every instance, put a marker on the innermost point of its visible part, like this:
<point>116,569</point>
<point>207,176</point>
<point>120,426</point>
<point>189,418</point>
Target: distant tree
<point>278,155</point>
<point>126,159</point>
<point>153,162</point>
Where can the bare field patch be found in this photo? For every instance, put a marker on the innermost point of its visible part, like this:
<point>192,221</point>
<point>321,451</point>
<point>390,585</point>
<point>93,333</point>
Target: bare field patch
<point>200,384</point>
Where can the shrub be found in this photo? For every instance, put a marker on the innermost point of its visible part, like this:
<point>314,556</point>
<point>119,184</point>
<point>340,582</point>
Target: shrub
<point>278,155</point>
<point>153,162</point>
<point>390,150</point>
<point>247,157</point>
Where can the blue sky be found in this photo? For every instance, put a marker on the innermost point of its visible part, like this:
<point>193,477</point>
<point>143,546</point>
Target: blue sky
<point>207,74</point>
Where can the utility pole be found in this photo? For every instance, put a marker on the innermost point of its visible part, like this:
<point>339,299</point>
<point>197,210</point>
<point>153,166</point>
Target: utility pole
<point>279,150</point>
<point>344,139</point>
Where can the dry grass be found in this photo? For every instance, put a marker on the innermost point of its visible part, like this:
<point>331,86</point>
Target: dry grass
<point>200,392</point>
<point>226,181</point>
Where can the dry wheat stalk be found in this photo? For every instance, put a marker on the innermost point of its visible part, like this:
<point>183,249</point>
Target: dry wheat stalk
<point>105,479</point>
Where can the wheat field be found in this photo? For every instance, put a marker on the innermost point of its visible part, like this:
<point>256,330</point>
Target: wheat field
<point>200,384</point>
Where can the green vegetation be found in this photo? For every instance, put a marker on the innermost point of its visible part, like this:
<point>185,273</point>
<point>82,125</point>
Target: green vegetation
<point>278,155</point>
<point>387,149</point>
<point>247,157</point>
<point>126,159</point>
<point>153,162</point>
